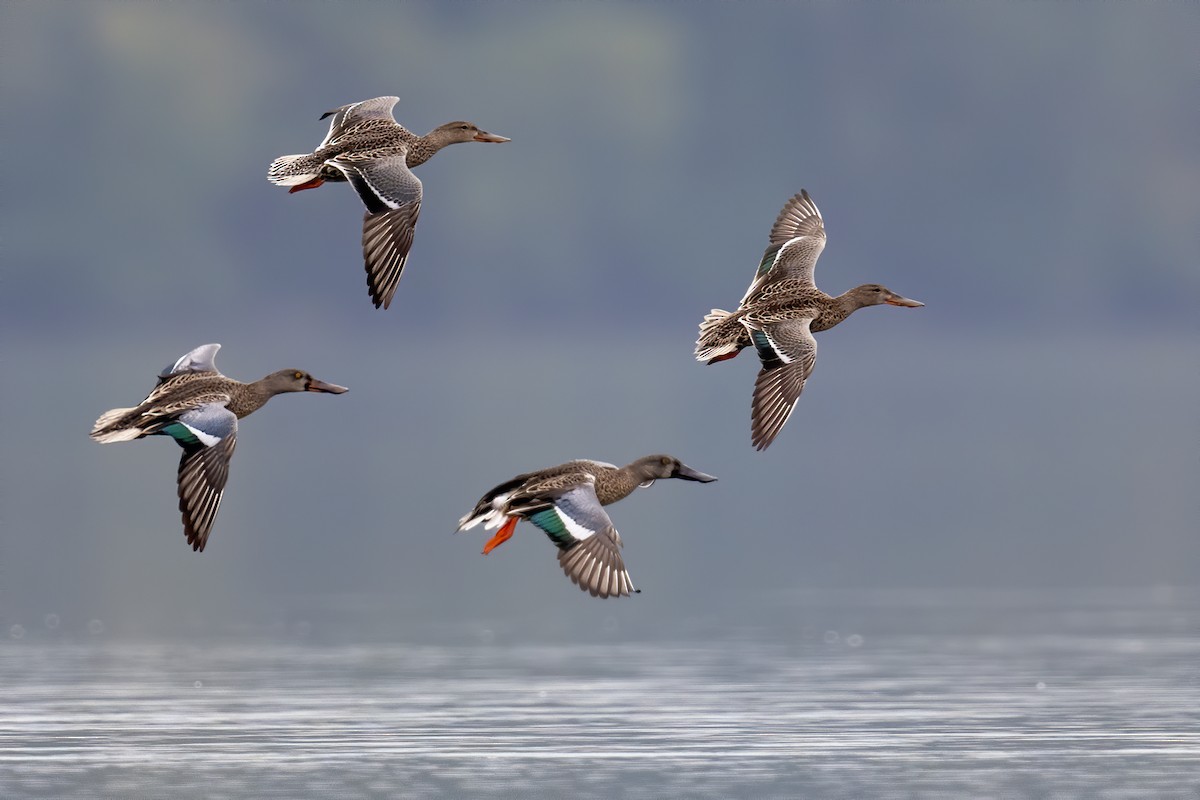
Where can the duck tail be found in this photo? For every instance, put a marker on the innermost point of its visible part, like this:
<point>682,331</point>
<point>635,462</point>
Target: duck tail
<point>490,510</point>
<point>722,336</point>
<point>294,170</point>
<point>470,521</point>
<point>109,427</point>
<point>490,517</point>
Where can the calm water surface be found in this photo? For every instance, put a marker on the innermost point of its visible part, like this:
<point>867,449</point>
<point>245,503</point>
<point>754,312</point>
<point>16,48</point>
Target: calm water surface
<point>1085,699</point>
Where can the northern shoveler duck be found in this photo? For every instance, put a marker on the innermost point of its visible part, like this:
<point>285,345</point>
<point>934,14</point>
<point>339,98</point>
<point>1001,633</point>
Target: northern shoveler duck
<point>779,314</point>
<point>199,408</point>
<point>368,148</point>
<point>567,503</point>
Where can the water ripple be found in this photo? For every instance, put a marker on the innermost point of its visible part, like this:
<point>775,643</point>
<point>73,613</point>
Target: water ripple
<point>951,716</point>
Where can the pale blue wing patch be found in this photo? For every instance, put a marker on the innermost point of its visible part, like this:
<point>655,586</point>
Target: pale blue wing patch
<point>208,435</point>
<point>202,359</point>
<point>589,545</point>
<point>203,426</point>
<point>575,516</point>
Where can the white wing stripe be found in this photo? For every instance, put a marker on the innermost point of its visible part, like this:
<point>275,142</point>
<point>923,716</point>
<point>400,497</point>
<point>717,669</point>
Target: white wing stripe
<point>361,174</point>
<point>780,353</point>
<point>574,528</point>
<point>206,439</point>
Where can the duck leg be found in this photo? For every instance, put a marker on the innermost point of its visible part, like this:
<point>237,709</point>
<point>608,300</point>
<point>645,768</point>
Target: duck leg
<point>503,535</point>
<point>314,183</point>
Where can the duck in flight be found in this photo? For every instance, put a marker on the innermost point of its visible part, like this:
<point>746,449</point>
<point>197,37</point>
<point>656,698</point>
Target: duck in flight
<point>368,148</point>
<point>779,314</point>
<point>567,503</point>
<point>199,408</point>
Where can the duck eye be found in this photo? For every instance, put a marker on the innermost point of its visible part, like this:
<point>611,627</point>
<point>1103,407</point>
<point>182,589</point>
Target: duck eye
<point>298,375</point>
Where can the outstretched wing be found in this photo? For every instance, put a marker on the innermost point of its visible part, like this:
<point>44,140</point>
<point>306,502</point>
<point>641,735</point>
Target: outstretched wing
<point>208,435</point>
<point>348,115</point>
<point>392,196</point>
<point>589,545</point>
<point>201,359</point>
<point>799,217</point>
<point>796,241</point>
<point>788,353</point>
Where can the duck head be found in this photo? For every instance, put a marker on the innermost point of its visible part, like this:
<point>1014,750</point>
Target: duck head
<point>652,468</point>
<point>295,380</point>
<point>455,132</point>
<point>873,294</point>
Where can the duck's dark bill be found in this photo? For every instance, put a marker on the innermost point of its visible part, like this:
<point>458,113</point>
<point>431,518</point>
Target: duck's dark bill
<point>897,300</point>
<point>484,136</point>
<point>689,474</point>
<point>321,386</point>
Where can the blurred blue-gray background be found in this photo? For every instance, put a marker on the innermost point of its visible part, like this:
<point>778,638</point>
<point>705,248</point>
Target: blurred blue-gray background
<point>1029,171</point>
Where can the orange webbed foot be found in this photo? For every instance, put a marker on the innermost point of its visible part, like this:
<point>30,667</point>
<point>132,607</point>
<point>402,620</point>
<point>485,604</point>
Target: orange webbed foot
<point>314,183</point>
<point>725,357</point>
<point>503,535</point>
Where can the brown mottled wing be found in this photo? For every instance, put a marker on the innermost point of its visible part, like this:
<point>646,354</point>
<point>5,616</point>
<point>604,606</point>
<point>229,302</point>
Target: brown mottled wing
<point>788,353</point>
<point>392,196</point>
<point>797,239</point>
<point>182,393</point>
<point>349,115</point>
<point>203,471</point>
<point>540,489</point>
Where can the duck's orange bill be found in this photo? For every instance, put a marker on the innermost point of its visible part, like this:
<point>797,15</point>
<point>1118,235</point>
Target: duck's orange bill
<point>503,535</point>
<point>314,183</point>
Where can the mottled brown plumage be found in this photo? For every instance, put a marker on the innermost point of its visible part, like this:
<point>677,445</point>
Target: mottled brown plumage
<point>199,408</point>
<point>566,501</point>
<point>368,148</point>
<point>779,313</point>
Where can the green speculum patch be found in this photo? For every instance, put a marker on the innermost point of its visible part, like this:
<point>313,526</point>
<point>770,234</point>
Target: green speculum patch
<point>550,522</point>
<point>762,344</point>
<point>768,260</point>
<point>181,433</point>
